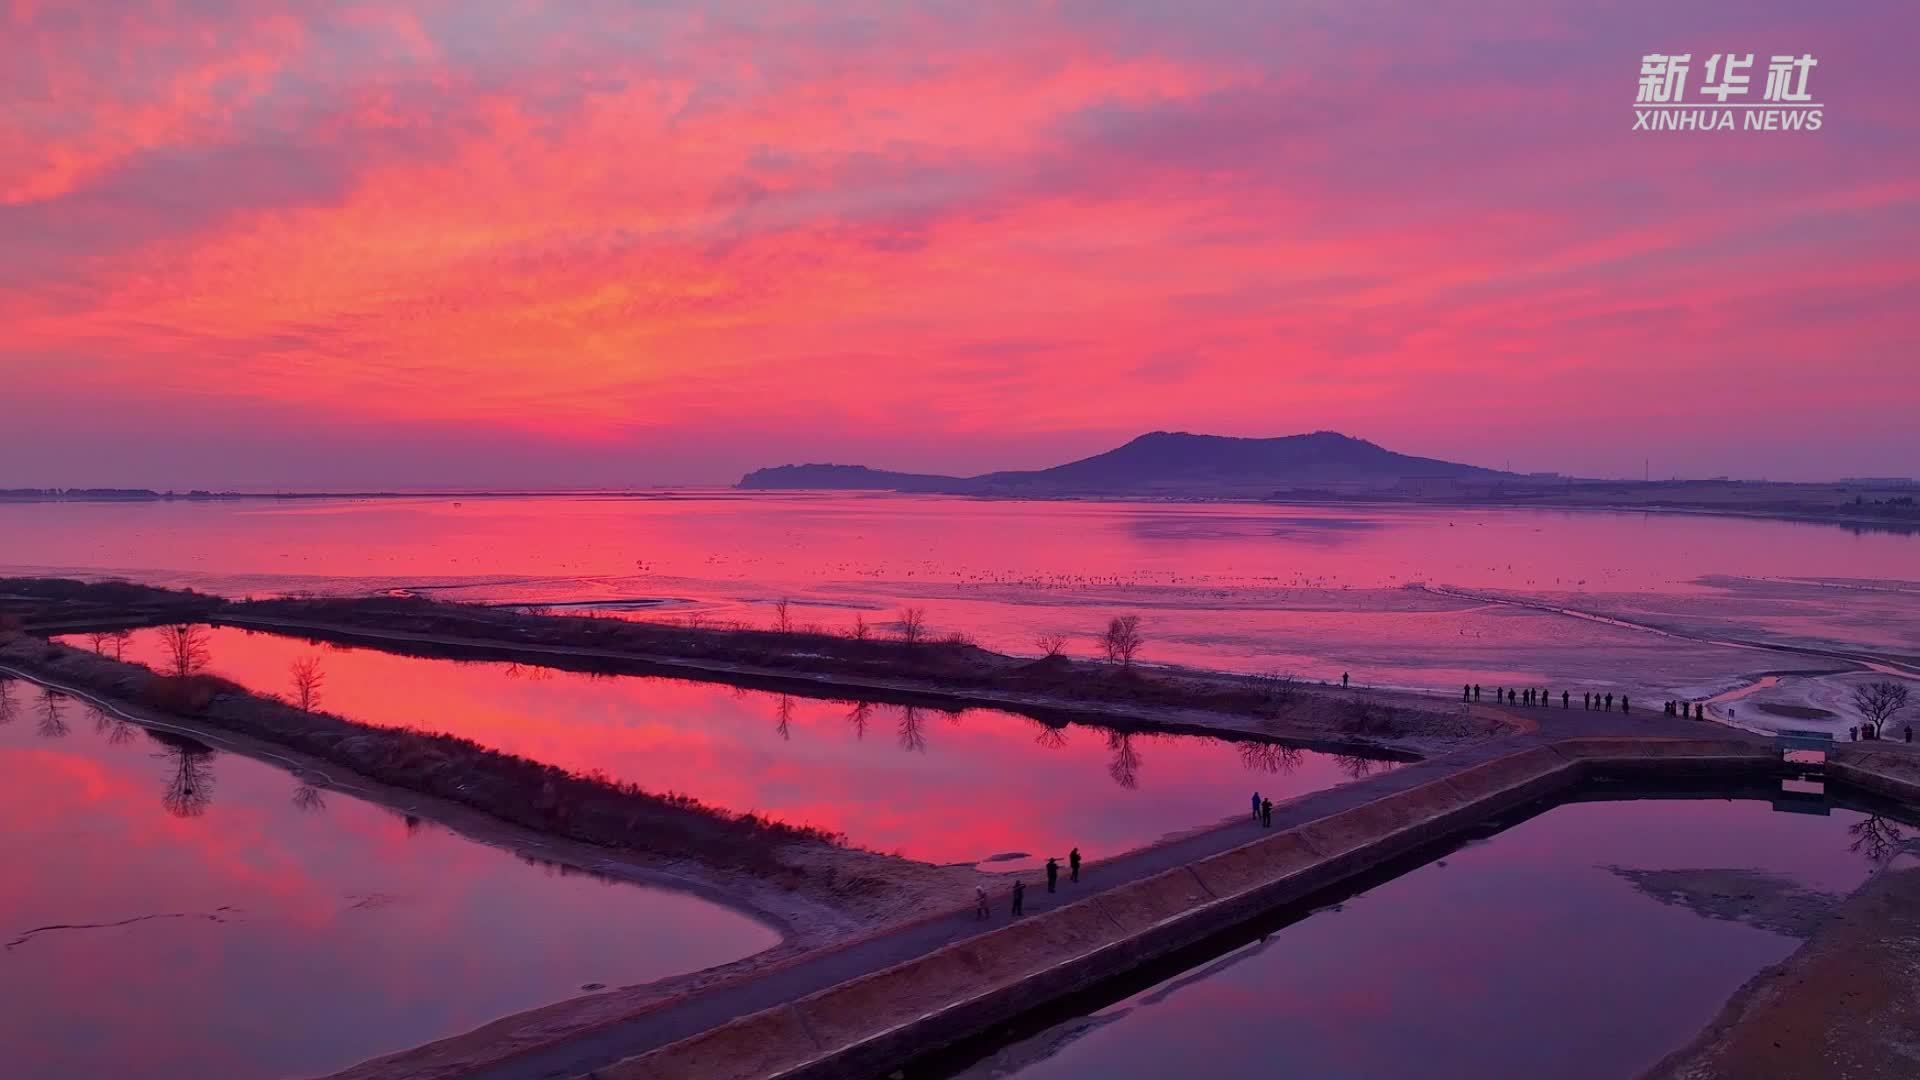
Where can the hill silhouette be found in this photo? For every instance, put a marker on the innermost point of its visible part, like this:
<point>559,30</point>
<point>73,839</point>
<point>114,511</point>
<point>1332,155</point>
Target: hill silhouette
<point>1172,463</point>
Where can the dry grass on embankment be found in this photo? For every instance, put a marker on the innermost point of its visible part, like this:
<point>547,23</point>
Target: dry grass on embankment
<point>950,668</point>
<point>944,672</point>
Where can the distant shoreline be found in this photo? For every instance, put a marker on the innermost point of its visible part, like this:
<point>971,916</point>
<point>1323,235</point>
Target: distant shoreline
<point>1813,514</point>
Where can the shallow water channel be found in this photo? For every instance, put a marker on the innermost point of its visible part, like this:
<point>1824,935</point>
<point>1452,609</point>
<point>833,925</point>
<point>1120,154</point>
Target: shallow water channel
<point>169,910</point>
<point>1589,941</point>
<point>945,787</point>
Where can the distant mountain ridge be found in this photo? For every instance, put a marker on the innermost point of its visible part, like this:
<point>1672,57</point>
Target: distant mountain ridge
<point>1171,463</point>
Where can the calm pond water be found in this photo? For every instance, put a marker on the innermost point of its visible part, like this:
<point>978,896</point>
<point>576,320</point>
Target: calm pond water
<point>942,787</point>
<point>1559,947</point>
<point>172,912</point>
<point>1309,589</point>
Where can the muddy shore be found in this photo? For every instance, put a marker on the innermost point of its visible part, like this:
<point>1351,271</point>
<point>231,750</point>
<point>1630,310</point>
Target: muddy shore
<point>1846,1004</point>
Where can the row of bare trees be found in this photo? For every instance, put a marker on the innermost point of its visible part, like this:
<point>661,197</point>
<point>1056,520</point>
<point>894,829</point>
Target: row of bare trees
<point>1120,642</point>
<point>117,640</point>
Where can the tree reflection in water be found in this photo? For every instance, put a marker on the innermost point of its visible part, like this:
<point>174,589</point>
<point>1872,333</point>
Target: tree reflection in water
<point>1274,758</point>
<point>912,729</point>
<point>783,717</point>
<point>529,672</point>
<point>52,724</point>
<point>1877,838</point>
<point>117,731</point>
<point>858,714</point>
<point>190,787</point>
<point>7,707</point>
<point>1125,766</point>
<point>1051,736</point>
<point>309,798</point>
<point>1355,766</point>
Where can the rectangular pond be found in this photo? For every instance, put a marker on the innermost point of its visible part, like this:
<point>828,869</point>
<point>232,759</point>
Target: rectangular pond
<point>172,911</point>
<point>944,787</point>
<point>1587,942</point>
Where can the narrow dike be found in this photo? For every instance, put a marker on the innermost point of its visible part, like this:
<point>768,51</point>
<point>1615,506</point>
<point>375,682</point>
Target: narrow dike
<point>881,1021</point>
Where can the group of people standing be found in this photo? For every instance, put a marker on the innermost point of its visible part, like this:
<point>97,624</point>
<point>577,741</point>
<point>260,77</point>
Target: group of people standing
<point>1263,811</point>
<point>1544,698</point>
<point>983,908</point>
<point>1679,709</point>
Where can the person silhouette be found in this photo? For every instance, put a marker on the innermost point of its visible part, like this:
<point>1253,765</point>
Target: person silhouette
<point>1073,865</point>
<point>1609,703</point>
<point>1256,806</point>
<point>1343,680</point>
<point>1266,813</point>
<point>1466,692</point>
<point>1566,699</point>
<point>981,909</point>
<point>1476,691</point>
<point>1019,907</point>
<point>1053,873</point>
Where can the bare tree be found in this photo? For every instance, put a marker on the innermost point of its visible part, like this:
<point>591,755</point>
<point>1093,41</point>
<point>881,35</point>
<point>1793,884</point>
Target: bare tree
<point>858,713</point>
<point>1267,757</point>
<point>1276,690</point>
<point>1876,838</point>
<point>190,788</point>
<point>186,648</point>
<point>1878,702</point>
<point>307,678</point>
<point>1050,645</point>
<point>913,730</point>
<point>861,631</point>
<point>100,639</point>
<point>913,625</point>
<point>783,615</point>
<point>1049,736</point>
<point>52,704</point>
<point>121,639</point>
<point>119,732</point>
<point>1354,765</point>
<point>1122,640</point>
<point>1125,766</point>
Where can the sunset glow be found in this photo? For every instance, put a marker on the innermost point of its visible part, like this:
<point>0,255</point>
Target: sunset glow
<point>286,244</point>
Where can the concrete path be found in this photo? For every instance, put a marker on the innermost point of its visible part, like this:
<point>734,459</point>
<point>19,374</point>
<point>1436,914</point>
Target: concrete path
<point>698,1012</point>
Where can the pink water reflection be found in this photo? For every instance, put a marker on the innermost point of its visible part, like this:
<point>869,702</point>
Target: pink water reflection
<point>1310,589</point>
<point>936,786</point>
<point>171,913</point>
<point>1525,955</point>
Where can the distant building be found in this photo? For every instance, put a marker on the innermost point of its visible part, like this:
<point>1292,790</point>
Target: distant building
<point>1881,481</point>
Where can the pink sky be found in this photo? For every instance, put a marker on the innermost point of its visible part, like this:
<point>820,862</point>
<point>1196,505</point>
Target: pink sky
<point>265,243</point>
